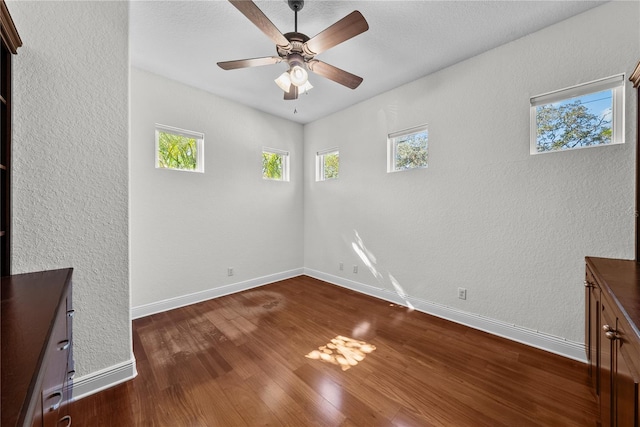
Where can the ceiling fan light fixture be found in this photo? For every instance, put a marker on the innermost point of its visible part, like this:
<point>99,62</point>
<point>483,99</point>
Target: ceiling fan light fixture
<point>298,75</point>
<point>305,87</point>
<point>284,81</point>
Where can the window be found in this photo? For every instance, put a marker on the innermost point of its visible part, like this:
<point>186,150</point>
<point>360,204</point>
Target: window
<point>407,149</point>
<point>586,115</point>
<point>327,164</point>
<point>275,164</point>
<point>179,149</point>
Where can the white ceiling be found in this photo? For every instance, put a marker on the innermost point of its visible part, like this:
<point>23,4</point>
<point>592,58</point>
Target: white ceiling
<point>183,40</point>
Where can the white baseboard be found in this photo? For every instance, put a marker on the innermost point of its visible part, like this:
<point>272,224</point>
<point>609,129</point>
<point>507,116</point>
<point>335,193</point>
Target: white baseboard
<point>183,300</point>
<point>103,379</point>
<point>571,349</point>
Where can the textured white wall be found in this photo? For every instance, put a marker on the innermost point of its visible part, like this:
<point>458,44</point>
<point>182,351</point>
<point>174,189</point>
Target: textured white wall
<point>70,164</point>
<point>510,227</point>
<point>187,228</point>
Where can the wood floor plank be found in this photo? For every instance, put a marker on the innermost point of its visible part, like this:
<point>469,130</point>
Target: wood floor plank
<point>358,412</point>
<point>301,352</point>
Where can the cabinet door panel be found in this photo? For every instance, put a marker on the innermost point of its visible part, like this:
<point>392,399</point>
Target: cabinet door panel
<point>592,329</point>
<point>626,388</point>
<point>607,352</point>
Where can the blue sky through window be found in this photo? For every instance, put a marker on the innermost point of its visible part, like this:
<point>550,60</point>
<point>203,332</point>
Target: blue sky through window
<point>598,103</point>
<point>561,126</point>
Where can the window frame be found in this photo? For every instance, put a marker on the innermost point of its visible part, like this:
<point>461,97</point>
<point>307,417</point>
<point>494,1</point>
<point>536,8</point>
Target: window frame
<point>198,136</point>
<point>320,163</point>
<point>392,147</point>
<point>285,163</point>
<point>615,83</point>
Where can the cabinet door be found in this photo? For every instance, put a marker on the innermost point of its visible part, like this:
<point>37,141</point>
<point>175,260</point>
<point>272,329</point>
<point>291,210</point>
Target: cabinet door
<point>592,329</point>
<point>607,352</point>
<point>625,386</point>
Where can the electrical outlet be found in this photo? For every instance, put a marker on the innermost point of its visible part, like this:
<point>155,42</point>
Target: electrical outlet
<point>462,293</point>
<point>355,269</point>
<point>230,271</point>
<point>341,266</point>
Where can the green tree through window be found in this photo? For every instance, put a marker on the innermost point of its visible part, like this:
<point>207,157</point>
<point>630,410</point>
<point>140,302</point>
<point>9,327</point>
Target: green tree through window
<point>331,165</point>
<point>585,115</point>
<point>566,125</point>
<point>411,151</point>
<point>274,165</point>
<point>271,166</point>
<point>177,151</point>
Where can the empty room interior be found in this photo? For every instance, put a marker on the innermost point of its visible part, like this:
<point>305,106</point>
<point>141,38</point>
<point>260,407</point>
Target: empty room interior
<point>397,240</point>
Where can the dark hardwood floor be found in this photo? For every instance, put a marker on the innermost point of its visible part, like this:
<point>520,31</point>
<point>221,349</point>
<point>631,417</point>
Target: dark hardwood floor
<point>302,352</point>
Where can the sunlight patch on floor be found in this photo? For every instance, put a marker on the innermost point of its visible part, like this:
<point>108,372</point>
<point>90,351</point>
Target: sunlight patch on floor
<point>342,351</point>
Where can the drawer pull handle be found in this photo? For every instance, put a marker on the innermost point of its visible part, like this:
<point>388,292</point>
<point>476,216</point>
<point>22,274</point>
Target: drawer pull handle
<point>71,374</point>
<point>63,345</point>
<point>57,395</point>
<point>71,313</point>
<point>607,328</point>
<point>611,335</point>
<point>66,418</point>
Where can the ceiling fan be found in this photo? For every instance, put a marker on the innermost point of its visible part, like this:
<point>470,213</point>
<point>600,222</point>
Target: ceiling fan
<point>298,50</point>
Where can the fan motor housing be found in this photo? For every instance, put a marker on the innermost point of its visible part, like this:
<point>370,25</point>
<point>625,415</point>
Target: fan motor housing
<point>297,41</point>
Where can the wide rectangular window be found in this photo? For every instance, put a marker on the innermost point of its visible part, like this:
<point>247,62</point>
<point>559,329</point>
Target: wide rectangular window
<point>179,149</point>
<point>586,115</point>
<point>275,164</point>
<point>408,149</point>
<point>327,164</point>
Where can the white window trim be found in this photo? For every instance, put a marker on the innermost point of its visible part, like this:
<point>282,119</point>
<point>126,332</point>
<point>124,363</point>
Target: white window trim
<point>285,163</point>
<point>199,137</point>
<point>320,163</point>
<point>615,83</point>
<point>391,147</point>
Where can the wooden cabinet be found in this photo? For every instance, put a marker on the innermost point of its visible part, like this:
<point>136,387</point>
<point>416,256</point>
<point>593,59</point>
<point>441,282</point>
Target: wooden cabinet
<point>37,362</point>
<point>612,338</point>
<point>9,43</point>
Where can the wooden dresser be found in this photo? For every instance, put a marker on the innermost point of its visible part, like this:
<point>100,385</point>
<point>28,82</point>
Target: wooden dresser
<point>37,358</point>
<point>612,337</point>
<point>612,334</point>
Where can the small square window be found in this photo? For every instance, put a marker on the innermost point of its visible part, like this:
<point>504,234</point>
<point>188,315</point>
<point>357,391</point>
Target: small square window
<point>275,164</point>
<point>408,149</point>
<point>179,149</point>
<point>586,115</point>
<point>327,164</point>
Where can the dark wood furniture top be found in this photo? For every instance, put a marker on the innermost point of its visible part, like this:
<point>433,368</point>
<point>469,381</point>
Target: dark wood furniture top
<point>30,303</point>
<point>622,286</point>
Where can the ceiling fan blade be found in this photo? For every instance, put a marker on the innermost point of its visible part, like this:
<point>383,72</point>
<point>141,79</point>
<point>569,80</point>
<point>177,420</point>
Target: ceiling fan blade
<point>334,73</point>
<point>253,62</point>
<point>292,94</point>
<point>260,20</point>
<point>346,28</point>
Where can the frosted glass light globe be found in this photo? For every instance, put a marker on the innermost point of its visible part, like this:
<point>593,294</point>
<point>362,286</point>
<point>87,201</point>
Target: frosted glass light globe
<point>298,75</point>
